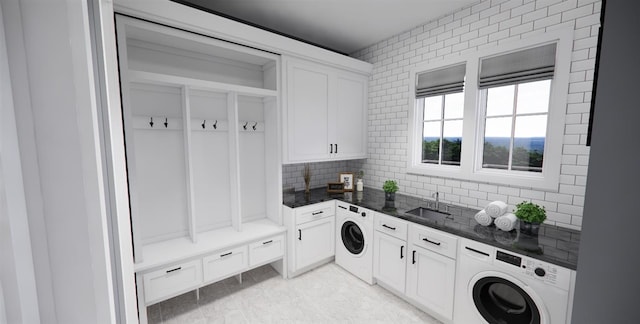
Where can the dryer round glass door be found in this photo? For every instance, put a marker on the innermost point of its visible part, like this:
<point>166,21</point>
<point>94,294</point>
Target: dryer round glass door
<point>501,301</point>
<point>352,237</point>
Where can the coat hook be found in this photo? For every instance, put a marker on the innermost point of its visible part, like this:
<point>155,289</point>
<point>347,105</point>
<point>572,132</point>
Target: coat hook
<point>254,125</point>
<point>203,122</point>
<point>166,122</point>
<point>245,125</point>
<point>215,125</point>
<point>151,122</point>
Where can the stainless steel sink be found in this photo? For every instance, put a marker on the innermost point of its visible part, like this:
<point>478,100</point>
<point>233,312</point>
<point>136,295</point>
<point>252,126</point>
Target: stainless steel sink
<point>427,213</point>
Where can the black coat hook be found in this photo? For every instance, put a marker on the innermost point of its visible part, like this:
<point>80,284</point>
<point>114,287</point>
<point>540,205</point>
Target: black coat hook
<point>215,125</point>
<point>203,122</point>
<point>151,122</point>
<point>245,125</point>
<point>166,122</point>
<point>254,125</point>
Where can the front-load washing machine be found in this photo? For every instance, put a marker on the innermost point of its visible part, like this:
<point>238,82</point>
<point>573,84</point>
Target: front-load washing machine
<point>354,240</point>
<point>495,286</point>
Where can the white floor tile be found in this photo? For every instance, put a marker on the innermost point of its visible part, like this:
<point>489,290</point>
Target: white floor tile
<point>328,294</point>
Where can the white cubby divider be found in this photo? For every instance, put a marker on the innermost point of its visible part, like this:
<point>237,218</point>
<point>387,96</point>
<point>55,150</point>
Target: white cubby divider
<point>215,165</point>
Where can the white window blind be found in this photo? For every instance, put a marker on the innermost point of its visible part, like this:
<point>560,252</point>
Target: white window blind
<point>532,64</point>
<point>441,81</point>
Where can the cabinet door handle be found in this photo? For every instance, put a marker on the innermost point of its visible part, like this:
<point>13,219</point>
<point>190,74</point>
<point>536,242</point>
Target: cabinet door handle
<point>331,146</point>
<point>389,227</point>
<point>317,213</point>
<point>432,242</point>
<point>267,242</point>
<point>224,255</point>
<point>336,148</point>
<point>401,248</point>
<point>172,270</point>
<point>300,234</point>
<point>413,261</point>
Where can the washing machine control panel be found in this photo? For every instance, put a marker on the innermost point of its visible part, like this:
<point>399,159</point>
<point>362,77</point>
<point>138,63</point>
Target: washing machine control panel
<point>536,269</point>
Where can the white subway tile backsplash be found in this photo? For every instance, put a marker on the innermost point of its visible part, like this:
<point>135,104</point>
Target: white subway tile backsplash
<point>482,25</point>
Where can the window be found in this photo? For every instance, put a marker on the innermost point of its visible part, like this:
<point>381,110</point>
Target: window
<point>495,115</point>
<point>515,126</point>
<point>442,129</point>
<point>440,98</point>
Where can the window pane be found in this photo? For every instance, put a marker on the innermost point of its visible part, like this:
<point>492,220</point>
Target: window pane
<point>533,97</point>
<point>453,105</point>
<point>497,139</point>
<point>528,143</point>
<point>452,142</point>
<point>431,142</point>
<point>500,100</point>
<point>433,108</point>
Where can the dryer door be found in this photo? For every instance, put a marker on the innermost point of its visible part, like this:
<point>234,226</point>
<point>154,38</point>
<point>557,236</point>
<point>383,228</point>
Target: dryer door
<point>500,300</point>
<point>352,237</point>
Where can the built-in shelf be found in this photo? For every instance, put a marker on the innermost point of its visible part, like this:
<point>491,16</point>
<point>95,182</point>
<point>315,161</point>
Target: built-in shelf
<point>198,84</point>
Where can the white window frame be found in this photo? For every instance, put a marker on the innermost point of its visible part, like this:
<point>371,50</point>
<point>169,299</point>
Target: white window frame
<point>473,120</point>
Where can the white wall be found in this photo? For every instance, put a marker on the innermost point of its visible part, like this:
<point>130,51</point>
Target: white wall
<point>485,24</point>
<point>18,295</point>
<point>50,60</point>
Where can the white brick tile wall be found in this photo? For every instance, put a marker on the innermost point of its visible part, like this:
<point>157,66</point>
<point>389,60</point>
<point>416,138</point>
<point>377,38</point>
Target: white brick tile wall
<point>484,24</point>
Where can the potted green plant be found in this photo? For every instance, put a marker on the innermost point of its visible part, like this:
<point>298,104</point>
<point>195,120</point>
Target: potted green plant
<point>390,187</point>
<point>530,216</point>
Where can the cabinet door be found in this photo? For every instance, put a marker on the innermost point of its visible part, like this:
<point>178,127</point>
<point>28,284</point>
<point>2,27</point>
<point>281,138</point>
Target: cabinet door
<point>430,281</point>
<point>307,112</point>
<point>390,260</point>
<point>350,119</point>
<point>314,242</point>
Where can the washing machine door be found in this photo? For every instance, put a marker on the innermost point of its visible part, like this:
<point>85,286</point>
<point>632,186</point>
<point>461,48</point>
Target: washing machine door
<point>352,237</point>
<point>504,300</point>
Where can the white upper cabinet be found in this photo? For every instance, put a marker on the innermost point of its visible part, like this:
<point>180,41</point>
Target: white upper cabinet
<point>325,112</point>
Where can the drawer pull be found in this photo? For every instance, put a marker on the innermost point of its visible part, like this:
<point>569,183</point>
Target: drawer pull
<point>267,242</point>
<point>172,270</point>
<point>432,242</point>
<point>476,251</point>
<point>317,213</point>
<point>224,255</point>
<point>343,207</point>
<point>389,227</point>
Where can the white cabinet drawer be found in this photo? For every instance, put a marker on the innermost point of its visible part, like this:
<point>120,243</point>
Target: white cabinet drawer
<point>434,240</point>
<point>266,250</point>
<point>316,211</point>
<point>224,263</point>
<point>393,226</point>
<point>163,283</point>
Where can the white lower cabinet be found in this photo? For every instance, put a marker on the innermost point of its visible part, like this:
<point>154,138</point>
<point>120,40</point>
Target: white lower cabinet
<point>164,283</point>
<point>390,261</point>
<point>431,270</point>
<point>266,250</point>
<point>311,239</point>
<point>430,281</point>
<point>222,264</point>
<point>172,280</point>
<point>314,242</point>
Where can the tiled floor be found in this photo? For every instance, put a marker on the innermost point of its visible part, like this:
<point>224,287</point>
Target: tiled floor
<point>328,294</point>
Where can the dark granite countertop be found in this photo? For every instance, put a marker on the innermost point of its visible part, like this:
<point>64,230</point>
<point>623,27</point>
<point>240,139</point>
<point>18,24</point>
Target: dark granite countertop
<point>554,244</point>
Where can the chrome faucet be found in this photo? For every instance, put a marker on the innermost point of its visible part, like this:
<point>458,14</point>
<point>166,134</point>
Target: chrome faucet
<point>437,196</point>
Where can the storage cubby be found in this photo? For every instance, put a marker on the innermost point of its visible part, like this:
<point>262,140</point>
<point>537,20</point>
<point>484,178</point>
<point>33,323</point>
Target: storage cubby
<point>201,123</point>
